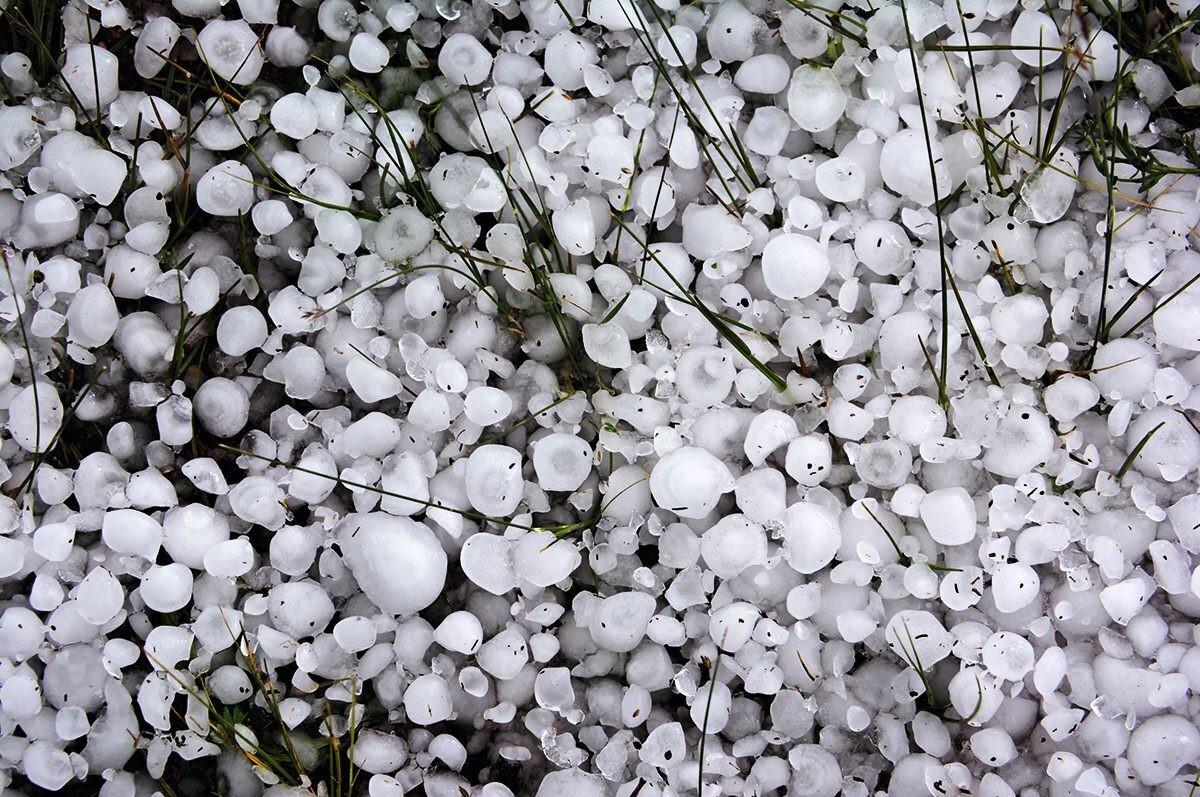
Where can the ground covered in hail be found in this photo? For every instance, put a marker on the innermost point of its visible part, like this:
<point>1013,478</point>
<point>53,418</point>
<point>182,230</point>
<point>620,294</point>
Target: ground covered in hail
<point>599,398</point>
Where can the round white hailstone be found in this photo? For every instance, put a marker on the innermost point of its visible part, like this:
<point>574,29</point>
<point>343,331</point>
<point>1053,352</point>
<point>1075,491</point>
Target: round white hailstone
<point>1171,452</point>
<point>486,559</point>
<point>495,485</point>
<point>99,597</point>
<point>377,752</point>
<point>732,544</point>
<point>299,608</point>
<point>1070,396</point>
<point>504,655</point>
<point>993,747</point>
<point>1035,39</point>
<point>229,559</point>
<point>704,375</point>
<point>230,684</point>
<point>1124,369</point>
<point>259,500</point>
<point>230,49</point>
<point>19,137</point>
<point>816,772</point>
<point>241,329</point>
<point>732,625</point>
<point>708,232</point>
<point>811,537</point>
<point>949,515</point>
<point>20,697</point>
<point>222,405</point>
<point>1014,586</point>
<point>767,432</point>
<point>794,266</point>
<point>574,228</point>
<point>132,533</point>
<point>607,345</point>
<point>460,632</point>
<point>1008,656</point>
<point>428,700</point>
<point>1019,320</point>
<point>766,73</point>
<point>47,766</point>
<point>35,416</point>
<point>187,531</point>
<point>167,588</point>
<point>884,463</point>
<point>542,559</point>
<point>130,272</point>
<point>402,234</point>
<point>562,462</point>
<point>841,180</point>
<point>574,782</point>
<point>368,54</point>
<point>1175,322</point>
<point>566,58</point>
<point>619,621</point>
<point>355,634</point>
<point>21,633</point>
<point>295,116</point>
<point>487,405</point>
<point>915,419</point>
<point>91,73</point>
<point>378,546</point>
<point>1023,441</point>
<point>92,316</point>
<point>1160,746</point>
<point>226,189</point>
<point>689,481</point>
<point>815,98</point>
<point>809,459</point>
<point>904,167</point>
<point>464,61</point>
<point>271,216</point>
<point>916,635</point>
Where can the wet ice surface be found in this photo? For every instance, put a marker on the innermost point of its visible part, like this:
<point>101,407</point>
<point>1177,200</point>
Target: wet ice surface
<point>504,398</point>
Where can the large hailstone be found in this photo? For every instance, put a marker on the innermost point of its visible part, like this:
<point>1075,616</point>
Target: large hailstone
<point>811,536</point>
<point>689,481</point>
<point>794,266</point>
<point>35,416</point>
<point>398,562</point>
<point>815,98</point>
<point>495,485</point>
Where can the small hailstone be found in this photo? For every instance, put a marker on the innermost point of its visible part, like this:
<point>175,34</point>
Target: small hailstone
<point>495,485</point>
<point>1014,586</point>
<point>619,622</point>
<point>811,537</point>
<point>690,481</point>
<point>816,772</point>
<point>732,544</point>
<point>226,189</point>
<point>368,54</point>
<point>35,416</point>
<point>815,98</point>
<point>294,115</point>
<point>460,632</point>
<point>428,700</point>
<point>167,588</point>
<point>794,266</point>
<point>464,60</point>
<point>561,461</point>
<point>355,634</point>
<point>949,515</point>
<point>231,50</point>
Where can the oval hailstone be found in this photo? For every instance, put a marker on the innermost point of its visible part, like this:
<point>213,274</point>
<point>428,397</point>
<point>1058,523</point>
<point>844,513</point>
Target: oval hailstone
<point>398,562</point>
<point>794,266</point>
<point>815,98</point>
<point>495,485</point>
<point>690,481</point>
<point>811,536</point>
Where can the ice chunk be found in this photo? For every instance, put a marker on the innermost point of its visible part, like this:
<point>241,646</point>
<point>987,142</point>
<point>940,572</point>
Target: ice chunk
<point>377,546</point>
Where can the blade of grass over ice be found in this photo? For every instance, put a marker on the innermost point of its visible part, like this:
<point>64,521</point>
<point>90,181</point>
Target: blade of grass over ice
<point>718,323</point>
<point>1137,449</point>
<point>467,513</point>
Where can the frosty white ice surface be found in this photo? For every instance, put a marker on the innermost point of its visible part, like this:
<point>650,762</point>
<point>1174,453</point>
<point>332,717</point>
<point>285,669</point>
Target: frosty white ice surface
<point>377,546</point>
<point>689,481</point>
